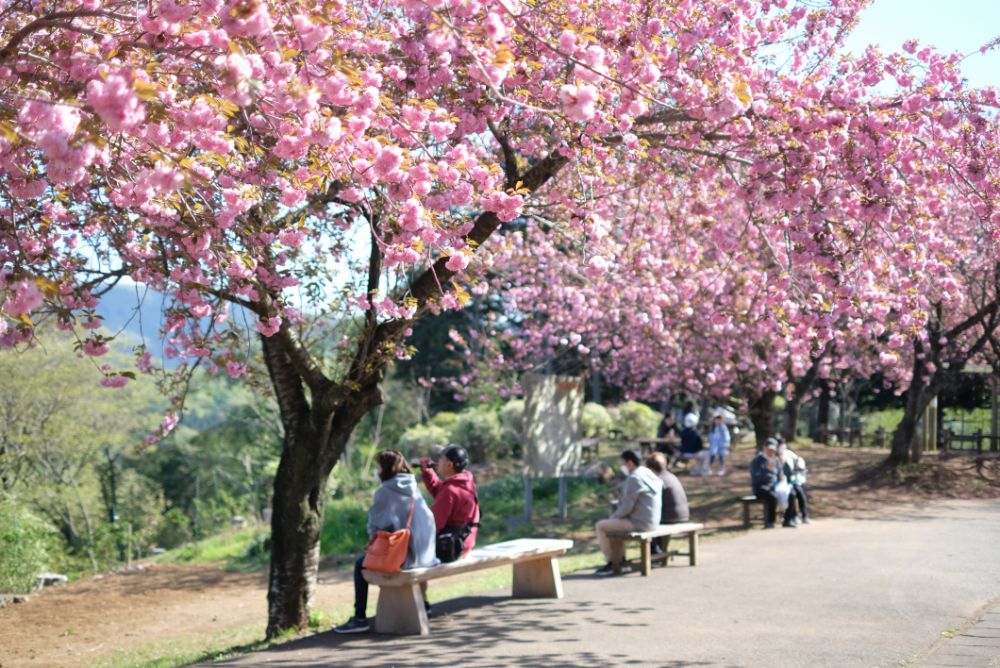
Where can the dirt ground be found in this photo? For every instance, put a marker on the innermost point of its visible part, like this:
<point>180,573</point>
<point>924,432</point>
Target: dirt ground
<point>78,624</point>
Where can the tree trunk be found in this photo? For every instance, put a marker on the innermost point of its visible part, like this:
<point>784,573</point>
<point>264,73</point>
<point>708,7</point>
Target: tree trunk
<point>761,410</point>
<point>296,523</point>
<point>823,412</point>
<point>918,398</point>
<point>792,417</point>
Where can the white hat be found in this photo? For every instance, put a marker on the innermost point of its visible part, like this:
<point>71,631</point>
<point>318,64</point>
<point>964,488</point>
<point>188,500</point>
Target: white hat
<point>690,421</point>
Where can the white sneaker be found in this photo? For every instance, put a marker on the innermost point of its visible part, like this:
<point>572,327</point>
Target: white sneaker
<point>722,472</point>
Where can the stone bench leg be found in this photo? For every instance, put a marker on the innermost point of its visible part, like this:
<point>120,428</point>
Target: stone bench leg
<point>537,578</point>
<point>401,611</point>
<point>746,514</point>
<point>693,548</point>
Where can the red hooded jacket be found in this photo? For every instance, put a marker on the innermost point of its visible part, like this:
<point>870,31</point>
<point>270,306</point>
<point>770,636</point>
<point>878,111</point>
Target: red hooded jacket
<point>454,502</point>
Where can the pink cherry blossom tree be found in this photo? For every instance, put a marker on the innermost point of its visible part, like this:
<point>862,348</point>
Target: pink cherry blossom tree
<point>351,163</point>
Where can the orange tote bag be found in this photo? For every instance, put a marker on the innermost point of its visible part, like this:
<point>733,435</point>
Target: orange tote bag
<point>386,551</point>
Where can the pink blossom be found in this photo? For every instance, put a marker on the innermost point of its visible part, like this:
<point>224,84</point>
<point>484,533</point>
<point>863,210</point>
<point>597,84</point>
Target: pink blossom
<point>236,369</point>
<point>578,101</point>
<point>269,327</point>
<point>494,27</point>
<point>506,207</point>
<point>388,161</point>
<point>95,347</point>
<point>246,17</point>
<point>458,261</point>
<point>114,381</point>
<point>116,102</point>
<point>24,297</point>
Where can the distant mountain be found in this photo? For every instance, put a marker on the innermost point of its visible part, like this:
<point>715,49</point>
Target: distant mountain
<point>137,313</point>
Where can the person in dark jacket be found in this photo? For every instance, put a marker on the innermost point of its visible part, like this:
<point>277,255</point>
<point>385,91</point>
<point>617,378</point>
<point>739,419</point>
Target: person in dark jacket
<point>454,492</point>
<point>693,447</point>
<point>765,471</point>
<point>389,511</point>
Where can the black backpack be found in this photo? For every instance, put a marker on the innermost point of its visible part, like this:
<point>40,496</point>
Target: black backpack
<point>451,540</point>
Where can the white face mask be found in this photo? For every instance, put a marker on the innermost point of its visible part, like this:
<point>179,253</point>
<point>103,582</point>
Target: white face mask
<point>624,471</point>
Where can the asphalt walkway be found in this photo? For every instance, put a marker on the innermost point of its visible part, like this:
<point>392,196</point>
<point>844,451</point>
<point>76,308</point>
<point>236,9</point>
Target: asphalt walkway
<point>914,586</point>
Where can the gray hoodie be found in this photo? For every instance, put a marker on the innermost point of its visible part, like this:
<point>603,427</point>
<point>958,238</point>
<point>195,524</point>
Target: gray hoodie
<point>641,500</point>
<point>390,508</point>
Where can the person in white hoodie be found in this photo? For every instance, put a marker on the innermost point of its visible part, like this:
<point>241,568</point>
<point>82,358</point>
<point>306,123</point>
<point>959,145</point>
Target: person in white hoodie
<point>638,509</point>
<point>389,511</point>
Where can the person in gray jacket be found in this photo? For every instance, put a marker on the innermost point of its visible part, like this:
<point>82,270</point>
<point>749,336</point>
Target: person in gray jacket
<point>389,512</point>
<point>638,509</point>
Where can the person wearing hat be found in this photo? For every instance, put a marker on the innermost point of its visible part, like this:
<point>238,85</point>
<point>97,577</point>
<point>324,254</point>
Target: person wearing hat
<point>454,491</point>
<point>638,509</point>
<point>765,469</point>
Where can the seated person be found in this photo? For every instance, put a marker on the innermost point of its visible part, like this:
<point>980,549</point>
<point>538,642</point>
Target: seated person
<point>638,509</point>
<point>693,447</point>
<point>455,504</point>
<point>765,472</point>
<point>671,433</point>
<point>795,470</point>
<point>389,512</point>
<point>675,503</point>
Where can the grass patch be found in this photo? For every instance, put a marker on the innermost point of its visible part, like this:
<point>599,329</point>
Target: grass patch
<point>220,645</point>
<point>230,547</point>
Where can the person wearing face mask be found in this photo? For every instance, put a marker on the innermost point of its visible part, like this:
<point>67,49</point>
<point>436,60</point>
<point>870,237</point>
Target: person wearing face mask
<point>639,509</point>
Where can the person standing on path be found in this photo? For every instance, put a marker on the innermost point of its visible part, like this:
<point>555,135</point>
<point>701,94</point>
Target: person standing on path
<point>638,509</point>
<point>718,443</point>
<point>391,506</point>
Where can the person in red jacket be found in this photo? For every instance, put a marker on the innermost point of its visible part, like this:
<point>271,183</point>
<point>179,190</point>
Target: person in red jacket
<point>455,503</point>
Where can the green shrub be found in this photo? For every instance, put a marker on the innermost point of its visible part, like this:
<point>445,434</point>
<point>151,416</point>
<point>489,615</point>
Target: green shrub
<point>597,420</point>
<point>174,529</point>
<point>478,430</point>
<point>636,420</point>
<point>24,547</point>
<point>345,526</point>
<point>446,420</point>
<point>418,439</point>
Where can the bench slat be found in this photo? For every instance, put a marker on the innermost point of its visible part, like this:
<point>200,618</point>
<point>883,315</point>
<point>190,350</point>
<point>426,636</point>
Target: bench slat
<point>662,530</point>
<point>490,556</point>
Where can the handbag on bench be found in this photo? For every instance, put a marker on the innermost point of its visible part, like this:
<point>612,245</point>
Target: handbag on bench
<point>386,551</point>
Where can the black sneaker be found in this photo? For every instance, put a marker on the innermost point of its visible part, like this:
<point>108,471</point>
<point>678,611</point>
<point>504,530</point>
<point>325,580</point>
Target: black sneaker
<point>606,569</point>
<point>428,609</point>
<point>790,524</point>
<point>805,519</point>
<point>353,625</point>
<point>768,525</point>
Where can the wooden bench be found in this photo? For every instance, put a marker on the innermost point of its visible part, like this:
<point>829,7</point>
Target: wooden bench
<point>536,575</point>
<point>645,539</point>
<point>748,501</point>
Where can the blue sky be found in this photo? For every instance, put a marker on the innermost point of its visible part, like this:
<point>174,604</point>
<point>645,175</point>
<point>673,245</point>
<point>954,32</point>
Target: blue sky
<point>950,25</point>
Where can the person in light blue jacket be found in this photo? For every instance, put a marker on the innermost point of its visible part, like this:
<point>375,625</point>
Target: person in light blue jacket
<point>389,511</point>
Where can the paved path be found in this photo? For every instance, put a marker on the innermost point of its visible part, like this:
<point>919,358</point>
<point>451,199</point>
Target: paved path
<point>908,587</point>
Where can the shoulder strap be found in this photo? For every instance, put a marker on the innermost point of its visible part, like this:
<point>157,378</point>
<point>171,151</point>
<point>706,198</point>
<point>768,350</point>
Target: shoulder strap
<point>409,519</point>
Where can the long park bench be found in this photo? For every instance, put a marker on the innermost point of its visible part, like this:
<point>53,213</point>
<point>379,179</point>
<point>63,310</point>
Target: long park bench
<point>646,538</point>
<point>536,575</point>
